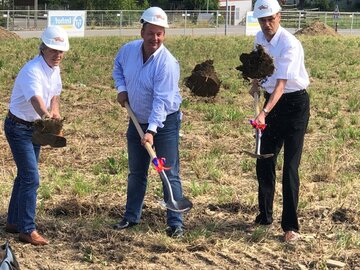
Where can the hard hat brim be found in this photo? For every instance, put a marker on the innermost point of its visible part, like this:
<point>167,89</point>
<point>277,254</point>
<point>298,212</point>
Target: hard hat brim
<point>59,48</point>
<point>142,21</point>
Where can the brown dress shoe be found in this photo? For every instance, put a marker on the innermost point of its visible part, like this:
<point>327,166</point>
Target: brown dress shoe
<point>291,236</point>
<point>33,238</point>
<point>11,228</point>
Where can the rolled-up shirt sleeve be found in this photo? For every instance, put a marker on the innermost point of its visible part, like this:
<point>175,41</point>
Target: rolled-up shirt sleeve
<point>31,84</point>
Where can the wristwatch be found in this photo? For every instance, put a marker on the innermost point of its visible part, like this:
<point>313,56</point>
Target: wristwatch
<point>151,132</point>
<point>265,111</point>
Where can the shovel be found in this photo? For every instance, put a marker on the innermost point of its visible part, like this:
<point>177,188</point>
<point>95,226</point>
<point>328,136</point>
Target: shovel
<point>181,205</point>
<point>258,133</point>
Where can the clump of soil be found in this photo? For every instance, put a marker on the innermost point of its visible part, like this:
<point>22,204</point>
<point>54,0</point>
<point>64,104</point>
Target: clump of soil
<point>203,80</point>
<point>256,65</point>
<point>343,215</point>
<point>317,29</point>
<point>5,34</point>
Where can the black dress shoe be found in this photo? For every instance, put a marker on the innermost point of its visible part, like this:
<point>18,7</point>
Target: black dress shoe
<point>262,221</point>
<point>124,224</point>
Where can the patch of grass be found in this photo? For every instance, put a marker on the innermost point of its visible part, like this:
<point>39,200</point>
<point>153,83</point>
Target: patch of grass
<point>219,114</point>
<point>199,233</point>
<point>219,129</point>
<point>81,185</point>
<point>104,179</point>
<point>88,254</point>
<point>199,188</point>
<point>259,234</point>
<point>45,192</point>
<point>348,133</point>
<point>346,239</point>
<point>113,165</point>
<point>247,165</point>
<point>224,194</point>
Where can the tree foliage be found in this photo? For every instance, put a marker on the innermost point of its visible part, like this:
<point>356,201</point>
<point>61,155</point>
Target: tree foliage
<point>95,4</point>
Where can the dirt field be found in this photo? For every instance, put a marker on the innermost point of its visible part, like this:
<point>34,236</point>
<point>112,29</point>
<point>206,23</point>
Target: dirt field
<point>84,185</point>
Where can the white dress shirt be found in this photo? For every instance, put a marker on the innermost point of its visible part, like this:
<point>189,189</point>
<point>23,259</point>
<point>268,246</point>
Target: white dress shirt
<point>288,55</point>
<point>36,78</point>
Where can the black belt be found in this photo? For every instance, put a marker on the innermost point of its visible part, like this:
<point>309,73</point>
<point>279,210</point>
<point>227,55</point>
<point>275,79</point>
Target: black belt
<point>18,120</point>
<point>299,92</point>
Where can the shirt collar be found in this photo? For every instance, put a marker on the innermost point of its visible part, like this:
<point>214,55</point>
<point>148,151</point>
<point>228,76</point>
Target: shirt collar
<point>156,52</point>
<point>48,70</point>
<point>274,41</point>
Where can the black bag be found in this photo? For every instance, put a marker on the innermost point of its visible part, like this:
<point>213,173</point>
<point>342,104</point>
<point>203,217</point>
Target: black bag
<point>7,258</point>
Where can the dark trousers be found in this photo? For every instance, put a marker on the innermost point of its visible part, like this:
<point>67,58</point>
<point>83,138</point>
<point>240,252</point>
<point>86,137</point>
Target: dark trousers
<point>286,126</point>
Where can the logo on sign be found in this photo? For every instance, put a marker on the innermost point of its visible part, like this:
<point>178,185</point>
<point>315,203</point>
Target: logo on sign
<point>78,22</point>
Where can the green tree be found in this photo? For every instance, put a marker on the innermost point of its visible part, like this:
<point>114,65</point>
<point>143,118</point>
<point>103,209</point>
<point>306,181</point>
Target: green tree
<point>201,4</point>
<point>94,4</point>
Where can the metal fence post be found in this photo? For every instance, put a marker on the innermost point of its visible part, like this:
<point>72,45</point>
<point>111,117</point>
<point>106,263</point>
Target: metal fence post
<point>217,22</point>
<point>28,18</point>
<point>7,20</point>
<point>121,16</point>
<point>325,18</point>
<point>226,16</point>
<point>120,20</point>
<point>185,17</point>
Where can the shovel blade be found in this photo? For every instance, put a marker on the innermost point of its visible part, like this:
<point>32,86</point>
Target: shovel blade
<point>258,156</point>
<point>180,206</point>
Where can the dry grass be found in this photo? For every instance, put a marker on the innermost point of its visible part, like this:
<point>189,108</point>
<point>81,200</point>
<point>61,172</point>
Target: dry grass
<point>83,186</point>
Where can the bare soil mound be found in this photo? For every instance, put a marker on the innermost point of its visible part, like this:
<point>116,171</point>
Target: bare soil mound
<point>317,29</point>
<point>5,34</point>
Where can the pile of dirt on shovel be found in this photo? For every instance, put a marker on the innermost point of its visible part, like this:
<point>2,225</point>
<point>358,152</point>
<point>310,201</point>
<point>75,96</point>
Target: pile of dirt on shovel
<point>317,29</point>
<point>5,34</point>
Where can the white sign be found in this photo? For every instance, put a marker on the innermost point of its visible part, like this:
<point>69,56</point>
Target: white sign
<point>73,21</point>
<point>252,24</point>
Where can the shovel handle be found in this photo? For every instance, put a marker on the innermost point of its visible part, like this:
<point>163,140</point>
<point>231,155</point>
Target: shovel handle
<point>140,131</point>
<point>256,103</point>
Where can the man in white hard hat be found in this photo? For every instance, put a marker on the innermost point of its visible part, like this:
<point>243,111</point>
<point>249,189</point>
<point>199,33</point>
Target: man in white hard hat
<point>286,112</point>
<point>35,95</point>
<point>146,76</point>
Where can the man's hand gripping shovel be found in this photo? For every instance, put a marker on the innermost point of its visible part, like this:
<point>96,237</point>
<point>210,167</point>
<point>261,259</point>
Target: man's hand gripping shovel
<point>258,132</point>
<point>181,205</point>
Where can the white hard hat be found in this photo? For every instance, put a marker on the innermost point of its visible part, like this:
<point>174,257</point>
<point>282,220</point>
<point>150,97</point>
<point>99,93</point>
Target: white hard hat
<point>265,8</point>
<point>55,37</point>
<point>155,15</point>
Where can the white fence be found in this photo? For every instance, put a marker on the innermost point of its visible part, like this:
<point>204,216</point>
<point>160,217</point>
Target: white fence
<point>186,20</point>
